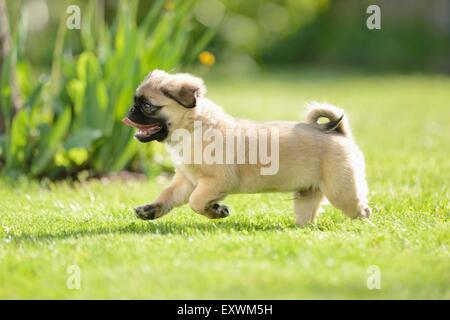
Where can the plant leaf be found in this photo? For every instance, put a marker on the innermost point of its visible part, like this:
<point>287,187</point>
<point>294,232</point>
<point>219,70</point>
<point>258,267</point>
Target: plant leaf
<point>49,144</point>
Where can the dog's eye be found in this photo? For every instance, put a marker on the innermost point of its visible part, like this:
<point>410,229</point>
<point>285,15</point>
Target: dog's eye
<point>148,108</point>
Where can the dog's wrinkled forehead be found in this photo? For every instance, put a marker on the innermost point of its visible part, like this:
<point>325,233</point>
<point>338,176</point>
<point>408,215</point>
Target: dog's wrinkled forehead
<point>183,88</point>
<point>153,81</point>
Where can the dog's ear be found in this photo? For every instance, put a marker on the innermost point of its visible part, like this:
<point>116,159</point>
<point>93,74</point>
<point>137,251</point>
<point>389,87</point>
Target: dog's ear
<point>184,89</point>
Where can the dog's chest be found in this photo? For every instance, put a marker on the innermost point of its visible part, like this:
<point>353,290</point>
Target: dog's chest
<point>189,172</point>
<point>175,154</point>
<point>180,164</point>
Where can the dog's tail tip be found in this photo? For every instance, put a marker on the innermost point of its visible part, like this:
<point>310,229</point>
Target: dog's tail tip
<point>337,120</point>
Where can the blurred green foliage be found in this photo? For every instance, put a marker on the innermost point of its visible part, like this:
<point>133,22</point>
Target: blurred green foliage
<point>414,36</point>
<point>251,28</point>
<point>71,120</point>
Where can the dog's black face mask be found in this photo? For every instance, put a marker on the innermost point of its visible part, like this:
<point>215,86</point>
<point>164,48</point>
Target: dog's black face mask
<point>145,117</point>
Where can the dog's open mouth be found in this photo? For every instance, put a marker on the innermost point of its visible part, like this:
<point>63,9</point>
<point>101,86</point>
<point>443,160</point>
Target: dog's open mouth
<point>144,131</point>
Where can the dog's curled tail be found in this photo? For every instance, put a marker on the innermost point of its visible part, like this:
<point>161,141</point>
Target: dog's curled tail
<point>337,120</point>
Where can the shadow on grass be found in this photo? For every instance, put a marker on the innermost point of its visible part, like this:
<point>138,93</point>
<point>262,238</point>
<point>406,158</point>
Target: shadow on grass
<point>161,227</point>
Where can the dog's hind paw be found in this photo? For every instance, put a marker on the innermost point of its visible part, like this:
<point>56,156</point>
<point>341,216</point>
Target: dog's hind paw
<point>218,211</point>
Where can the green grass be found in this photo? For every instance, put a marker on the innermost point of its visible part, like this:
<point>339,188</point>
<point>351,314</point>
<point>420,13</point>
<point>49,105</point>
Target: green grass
<point>401,124</point>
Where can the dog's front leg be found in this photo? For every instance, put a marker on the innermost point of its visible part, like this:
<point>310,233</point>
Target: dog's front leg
<point>176,194</point>
<point>204,200</point>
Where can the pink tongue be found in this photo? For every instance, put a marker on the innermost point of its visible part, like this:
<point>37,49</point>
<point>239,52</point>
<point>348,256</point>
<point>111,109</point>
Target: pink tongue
<point>127,121</point>
<point>130,123</point>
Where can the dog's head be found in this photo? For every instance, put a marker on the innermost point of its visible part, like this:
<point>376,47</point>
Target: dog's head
<point>161,102</point>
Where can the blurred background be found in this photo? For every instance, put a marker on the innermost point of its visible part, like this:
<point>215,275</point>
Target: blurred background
<point>65,89</point>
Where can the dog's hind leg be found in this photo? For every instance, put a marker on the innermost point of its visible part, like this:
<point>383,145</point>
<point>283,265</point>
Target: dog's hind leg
<point>306,205</point>
<point>176,194</point>
<point>345,187</point>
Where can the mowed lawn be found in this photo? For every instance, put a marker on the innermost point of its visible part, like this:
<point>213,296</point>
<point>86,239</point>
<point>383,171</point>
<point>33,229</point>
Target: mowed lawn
<point>402,124</point>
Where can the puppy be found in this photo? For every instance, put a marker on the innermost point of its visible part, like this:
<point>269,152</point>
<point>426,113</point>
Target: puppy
<point>313,160</point>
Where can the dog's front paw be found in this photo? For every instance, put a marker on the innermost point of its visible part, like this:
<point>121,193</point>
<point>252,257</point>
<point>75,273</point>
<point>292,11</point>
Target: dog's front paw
<point>149,211</point>
<point>218,211</point>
